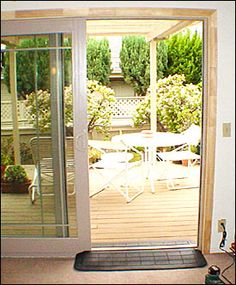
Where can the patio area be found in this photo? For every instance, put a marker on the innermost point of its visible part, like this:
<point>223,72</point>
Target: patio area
<point>163,216</point>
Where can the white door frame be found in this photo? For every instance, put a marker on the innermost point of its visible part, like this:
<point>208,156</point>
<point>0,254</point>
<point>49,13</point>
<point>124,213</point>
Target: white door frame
<point>62,247</point>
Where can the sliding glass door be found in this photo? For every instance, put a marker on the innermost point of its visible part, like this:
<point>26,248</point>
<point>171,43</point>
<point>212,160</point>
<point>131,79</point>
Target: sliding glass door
<point>43,139</point>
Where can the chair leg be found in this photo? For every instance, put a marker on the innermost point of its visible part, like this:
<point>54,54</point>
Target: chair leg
<point>172,184</point>
<point>125,192</point>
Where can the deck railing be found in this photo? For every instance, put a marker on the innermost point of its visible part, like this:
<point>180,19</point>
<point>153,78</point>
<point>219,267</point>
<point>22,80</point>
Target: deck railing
<point>123,108</point>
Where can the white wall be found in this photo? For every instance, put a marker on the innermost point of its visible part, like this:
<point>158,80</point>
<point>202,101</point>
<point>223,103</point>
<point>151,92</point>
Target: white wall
<point>224,192</point>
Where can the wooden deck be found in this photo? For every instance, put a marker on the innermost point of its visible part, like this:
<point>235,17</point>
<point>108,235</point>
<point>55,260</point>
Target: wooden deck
<point>163,216</point>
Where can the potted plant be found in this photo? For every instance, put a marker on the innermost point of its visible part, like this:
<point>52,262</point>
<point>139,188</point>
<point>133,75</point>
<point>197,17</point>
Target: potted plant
<point>15,180</point>
<point>94,155</point>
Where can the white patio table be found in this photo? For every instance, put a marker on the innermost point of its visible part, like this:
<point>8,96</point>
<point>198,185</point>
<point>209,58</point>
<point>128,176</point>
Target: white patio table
<point>150,142</point>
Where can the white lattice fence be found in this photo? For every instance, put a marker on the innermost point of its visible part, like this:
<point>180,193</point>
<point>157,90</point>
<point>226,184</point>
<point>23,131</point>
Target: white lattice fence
<point>124,107</point>
<point>6,114</point>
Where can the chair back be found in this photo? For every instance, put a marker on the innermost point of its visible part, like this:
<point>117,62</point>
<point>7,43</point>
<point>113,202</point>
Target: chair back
<point>193,135</point>
<point>104,146</point>
<point>41,148</point>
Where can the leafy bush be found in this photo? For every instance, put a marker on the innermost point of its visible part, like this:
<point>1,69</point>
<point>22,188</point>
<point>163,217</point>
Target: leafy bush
<point>93,154</point>
<point>15,173</point>
<point>6,159</point>
<point>135,62</point>
<point>99,103</point>
<point>178,105</point>
<point>185,56</point>
<point>7,152</point>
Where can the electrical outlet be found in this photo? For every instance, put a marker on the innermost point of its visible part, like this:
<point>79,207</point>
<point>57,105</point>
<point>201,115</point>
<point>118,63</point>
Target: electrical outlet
<point>220,228</point>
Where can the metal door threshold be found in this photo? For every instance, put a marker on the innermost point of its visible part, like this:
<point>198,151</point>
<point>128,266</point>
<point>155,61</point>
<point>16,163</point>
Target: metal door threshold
<point>143,246</point>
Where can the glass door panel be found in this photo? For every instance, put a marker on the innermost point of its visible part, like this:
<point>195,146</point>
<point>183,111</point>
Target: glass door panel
<point>37,134</point>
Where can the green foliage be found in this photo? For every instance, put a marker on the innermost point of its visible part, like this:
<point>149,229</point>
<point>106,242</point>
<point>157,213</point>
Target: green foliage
<point>99,110</point>
<point>7,156</point>
<point>100,99</point>
<point>15,173</point>
<point>185,56</point>
<point>29,63</point>
<point>98,60</point>
<point>93,154</point>
<point>178,105</point>
<point>32,63</point>
<point>6,159</point>
<point>7,152</point>
<point>135,62</point>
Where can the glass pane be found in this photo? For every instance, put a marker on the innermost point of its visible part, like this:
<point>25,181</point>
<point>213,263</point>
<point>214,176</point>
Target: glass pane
<point>36,118</point>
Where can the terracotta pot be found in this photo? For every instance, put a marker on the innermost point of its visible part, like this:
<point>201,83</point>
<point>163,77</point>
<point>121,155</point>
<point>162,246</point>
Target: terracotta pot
<point>185,162</point>
<point>15,187</point>
<point>3,167</point>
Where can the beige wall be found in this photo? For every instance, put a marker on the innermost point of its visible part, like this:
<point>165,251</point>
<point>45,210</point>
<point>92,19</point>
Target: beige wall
<point>122,89</point>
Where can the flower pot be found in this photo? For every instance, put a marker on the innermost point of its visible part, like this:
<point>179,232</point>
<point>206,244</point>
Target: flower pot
<point>185,162</point>
<point>15,187</point>
<point>3,167</point>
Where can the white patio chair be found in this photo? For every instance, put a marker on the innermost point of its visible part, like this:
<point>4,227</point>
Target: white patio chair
<point>183,152</point>
<point>41,148</point>
<point>114,167</point>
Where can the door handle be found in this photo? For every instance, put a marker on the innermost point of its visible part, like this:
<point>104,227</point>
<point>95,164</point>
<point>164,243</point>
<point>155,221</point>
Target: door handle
<point>81,141</point>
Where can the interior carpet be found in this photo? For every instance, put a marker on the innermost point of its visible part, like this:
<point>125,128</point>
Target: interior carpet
<point>147,259</point>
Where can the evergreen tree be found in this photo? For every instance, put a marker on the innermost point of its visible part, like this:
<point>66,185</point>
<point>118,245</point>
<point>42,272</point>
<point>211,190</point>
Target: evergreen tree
<point>185,56</point>
<point>29,63</point>
<point>135,62</point>
<point>98,60</point>
<point>36,63</point>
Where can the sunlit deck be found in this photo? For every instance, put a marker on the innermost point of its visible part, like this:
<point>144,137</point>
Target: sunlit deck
<point>166,215</point>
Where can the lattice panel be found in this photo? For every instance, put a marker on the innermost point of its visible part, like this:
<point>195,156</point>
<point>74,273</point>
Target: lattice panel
<point>6,113</point>
<point>124,107</point>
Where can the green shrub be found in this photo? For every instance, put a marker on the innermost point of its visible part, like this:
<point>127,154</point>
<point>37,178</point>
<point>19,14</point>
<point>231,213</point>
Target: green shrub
<point>7,151</point>
<point>99,109</point>
<point>185,56</point>
<point>15,173</point>
<point>98,60</point>
<point>6,159</point>
<point>178,105</point>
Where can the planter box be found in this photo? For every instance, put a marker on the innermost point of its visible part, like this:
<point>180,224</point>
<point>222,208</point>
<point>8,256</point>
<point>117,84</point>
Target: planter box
<point>14,187</point>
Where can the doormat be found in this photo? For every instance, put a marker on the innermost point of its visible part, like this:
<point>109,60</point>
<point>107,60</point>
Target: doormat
<point>112,260</point>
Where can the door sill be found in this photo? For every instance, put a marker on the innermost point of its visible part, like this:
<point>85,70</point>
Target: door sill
<point>143,247</point>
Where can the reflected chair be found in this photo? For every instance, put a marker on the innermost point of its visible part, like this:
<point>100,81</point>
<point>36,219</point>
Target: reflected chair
<point>192,138</point>
<point>115,168</point>
<point>41,148</point>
